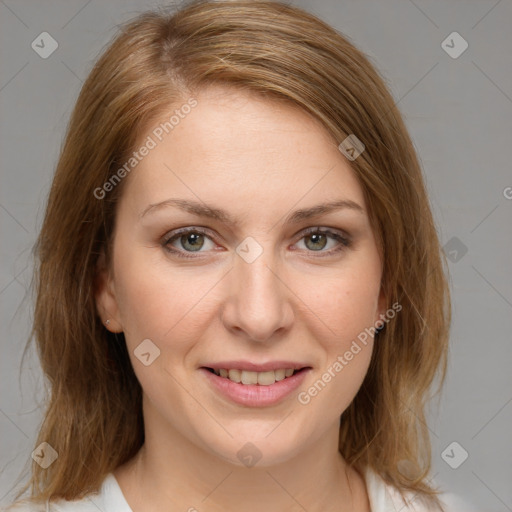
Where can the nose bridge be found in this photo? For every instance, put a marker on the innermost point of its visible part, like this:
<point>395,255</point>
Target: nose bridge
<point>259,282</point>
<point>259,303</point>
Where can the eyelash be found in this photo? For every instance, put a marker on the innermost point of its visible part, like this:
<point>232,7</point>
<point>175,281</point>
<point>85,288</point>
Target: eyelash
<point>344,242</point>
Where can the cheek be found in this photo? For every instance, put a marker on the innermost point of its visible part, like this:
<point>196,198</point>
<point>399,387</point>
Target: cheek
<point>344,310</point>
<point>163,305</point>
<point>344,304</point>
<point>345,307</point>
<point>156,301</point>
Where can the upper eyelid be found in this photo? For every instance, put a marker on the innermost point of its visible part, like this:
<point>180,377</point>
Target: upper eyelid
<point>208,232</point>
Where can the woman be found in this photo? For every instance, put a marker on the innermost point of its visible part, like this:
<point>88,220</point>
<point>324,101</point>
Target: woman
<point>241,300</point>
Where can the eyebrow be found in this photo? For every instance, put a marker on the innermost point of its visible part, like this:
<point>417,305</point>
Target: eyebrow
<point>204,210</point>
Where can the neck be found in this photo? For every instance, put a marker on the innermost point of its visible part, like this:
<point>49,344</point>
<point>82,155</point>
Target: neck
<point>172,473</point>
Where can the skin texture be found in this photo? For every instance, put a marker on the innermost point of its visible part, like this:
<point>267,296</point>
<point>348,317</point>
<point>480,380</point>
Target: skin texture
<point>260,160</point>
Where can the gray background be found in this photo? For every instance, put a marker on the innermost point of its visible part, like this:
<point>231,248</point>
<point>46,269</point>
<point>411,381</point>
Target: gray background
<point>459,113</point>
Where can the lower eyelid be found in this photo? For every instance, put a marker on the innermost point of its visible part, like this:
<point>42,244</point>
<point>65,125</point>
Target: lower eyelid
<point>177,236</point>
<point>343,242</point>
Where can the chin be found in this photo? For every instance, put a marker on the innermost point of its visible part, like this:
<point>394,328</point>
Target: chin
<point>265,448</point>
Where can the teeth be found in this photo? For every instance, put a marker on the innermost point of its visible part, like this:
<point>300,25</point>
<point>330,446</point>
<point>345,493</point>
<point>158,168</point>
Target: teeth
<point>280,374</point>
<point>266,378</point>
<point>234,375</point>
<point>249,377</point>
<point>261,378</point>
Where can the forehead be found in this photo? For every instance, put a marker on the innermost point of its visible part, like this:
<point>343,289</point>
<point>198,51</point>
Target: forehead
<point>239,151</point>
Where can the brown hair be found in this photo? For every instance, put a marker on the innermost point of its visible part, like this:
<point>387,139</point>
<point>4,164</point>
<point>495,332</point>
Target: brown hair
<point>93,416</point>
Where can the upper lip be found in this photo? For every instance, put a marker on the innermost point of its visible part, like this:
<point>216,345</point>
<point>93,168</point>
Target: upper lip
<point>255,367</point>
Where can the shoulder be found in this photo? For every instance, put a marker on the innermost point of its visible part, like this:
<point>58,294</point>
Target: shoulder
<point>386,498</point>
<point>108,498</point>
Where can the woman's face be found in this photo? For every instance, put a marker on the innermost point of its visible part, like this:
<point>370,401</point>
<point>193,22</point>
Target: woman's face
<point>251,286</point>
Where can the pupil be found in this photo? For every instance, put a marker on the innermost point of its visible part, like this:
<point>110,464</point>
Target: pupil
<point>191,239</point>
<point>316,239</point>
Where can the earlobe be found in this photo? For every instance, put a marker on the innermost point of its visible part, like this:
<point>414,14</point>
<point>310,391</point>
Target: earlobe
<point>105,297</point>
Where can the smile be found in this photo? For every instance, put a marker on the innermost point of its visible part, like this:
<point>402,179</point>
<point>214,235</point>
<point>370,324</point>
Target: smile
<point>261,378</point>
<point>252,388</point>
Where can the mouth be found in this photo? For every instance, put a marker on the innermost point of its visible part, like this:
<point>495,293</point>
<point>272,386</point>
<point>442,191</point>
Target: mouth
<point>252,388</point>
<point>252,378</point>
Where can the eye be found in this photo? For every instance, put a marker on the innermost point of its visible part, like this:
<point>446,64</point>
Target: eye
<point>317,239</point>
<point>187,240</point>
<point>184,242</point>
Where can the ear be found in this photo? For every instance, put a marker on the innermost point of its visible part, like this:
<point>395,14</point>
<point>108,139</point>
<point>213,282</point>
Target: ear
<point>104,294</point>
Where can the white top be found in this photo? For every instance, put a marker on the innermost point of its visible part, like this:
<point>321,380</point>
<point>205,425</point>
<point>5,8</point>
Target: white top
<point>110,498</point>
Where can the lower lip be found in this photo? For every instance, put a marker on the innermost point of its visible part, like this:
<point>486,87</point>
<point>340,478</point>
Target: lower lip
<point>254,395</point>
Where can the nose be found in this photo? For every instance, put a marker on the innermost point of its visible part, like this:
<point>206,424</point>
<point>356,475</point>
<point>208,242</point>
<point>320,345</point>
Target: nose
<point>259,306</point>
